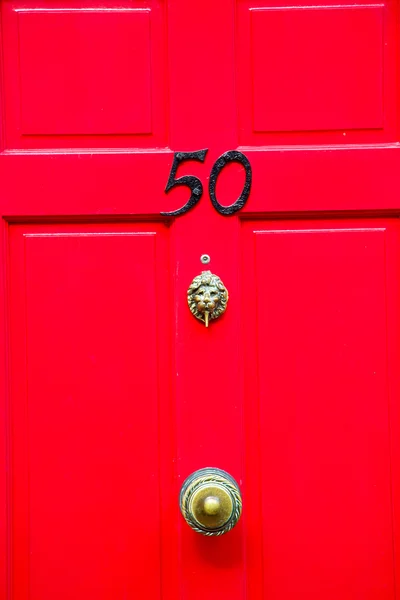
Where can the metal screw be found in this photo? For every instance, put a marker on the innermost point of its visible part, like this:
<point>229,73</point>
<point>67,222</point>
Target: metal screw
<point>205,259</point>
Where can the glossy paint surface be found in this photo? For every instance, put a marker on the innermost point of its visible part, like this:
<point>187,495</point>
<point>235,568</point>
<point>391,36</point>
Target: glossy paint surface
<point>112,393</point>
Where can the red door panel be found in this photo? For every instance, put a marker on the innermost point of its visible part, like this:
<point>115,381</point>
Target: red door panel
<point>84,75</point>
<point>90,355</point>
<point>320,401</point>
<point>319,73</point>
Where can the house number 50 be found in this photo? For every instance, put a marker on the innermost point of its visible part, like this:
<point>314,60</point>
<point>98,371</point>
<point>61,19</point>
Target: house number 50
<point>196,186</point>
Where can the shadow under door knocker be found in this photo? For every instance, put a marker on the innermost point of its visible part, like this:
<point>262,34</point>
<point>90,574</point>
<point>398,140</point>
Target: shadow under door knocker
<point>207,297</point>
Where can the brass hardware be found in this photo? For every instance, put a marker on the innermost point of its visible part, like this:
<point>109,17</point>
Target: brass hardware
<point>207,297</point>
<point>210,501</point>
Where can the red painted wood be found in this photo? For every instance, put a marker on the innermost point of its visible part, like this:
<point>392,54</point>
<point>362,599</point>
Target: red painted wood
<point>320,73</point>
<point>112,393</point>
<point>87,100</point>
<point>322,410</point>
<point>301,61</point>
<point>93,406</point>
<point>95,76</point>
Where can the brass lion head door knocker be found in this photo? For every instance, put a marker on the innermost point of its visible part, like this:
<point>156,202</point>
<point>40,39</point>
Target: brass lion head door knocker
<point>207,296</point>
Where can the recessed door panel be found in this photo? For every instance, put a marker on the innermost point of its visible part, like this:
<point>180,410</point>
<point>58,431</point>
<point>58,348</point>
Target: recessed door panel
<point>90,390</point>
<point>321,405</point>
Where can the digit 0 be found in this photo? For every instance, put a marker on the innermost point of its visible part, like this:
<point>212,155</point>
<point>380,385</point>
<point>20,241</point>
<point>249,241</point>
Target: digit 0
<point>224,159</point>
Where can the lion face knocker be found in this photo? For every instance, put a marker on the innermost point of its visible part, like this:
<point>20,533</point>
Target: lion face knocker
<point>207,297</point>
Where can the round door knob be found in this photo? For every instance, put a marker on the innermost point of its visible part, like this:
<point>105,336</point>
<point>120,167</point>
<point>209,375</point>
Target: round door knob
<point>210,501</point>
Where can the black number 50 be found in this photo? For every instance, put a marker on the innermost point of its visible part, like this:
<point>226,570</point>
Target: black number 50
<point>196,186</point>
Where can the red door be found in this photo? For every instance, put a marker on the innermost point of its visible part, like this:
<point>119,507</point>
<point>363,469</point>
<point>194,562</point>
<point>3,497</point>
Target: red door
<point>112,391</point>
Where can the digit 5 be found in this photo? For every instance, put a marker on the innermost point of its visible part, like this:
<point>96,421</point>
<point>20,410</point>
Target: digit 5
<point>191,181</point>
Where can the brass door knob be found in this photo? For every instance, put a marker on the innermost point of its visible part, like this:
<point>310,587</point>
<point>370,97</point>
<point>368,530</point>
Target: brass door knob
<point>210,501</point>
